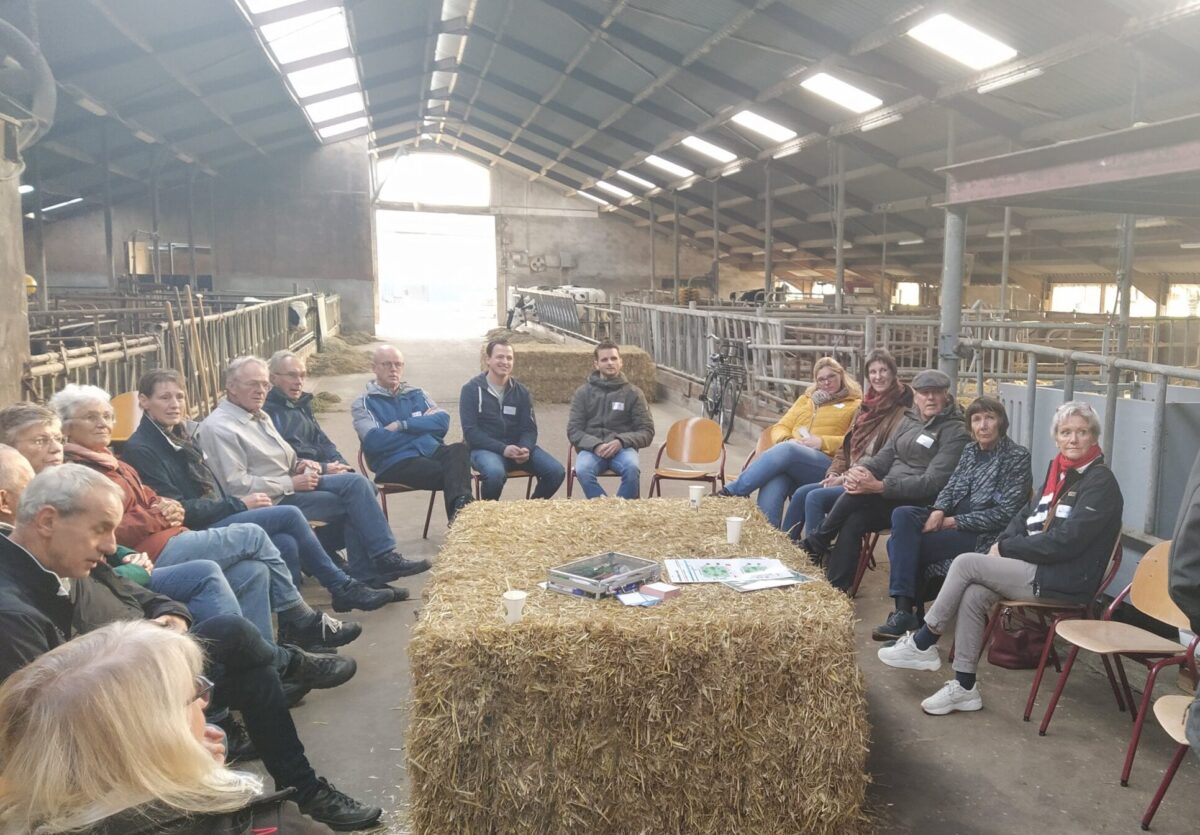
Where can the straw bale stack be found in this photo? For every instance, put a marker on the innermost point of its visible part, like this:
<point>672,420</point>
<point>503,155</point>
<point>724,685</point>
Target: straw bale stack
<point>716,712</point>
<point>553,372</point>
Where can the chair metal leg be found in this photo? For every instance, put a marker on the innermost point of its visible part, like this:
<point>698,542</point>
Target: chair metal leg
<point>529,487</point>
<point>1041,671</point>
<point>570,481</point>
<point>993,621</point>
<point>429,514</point>
<point>383,503</point>
<point>1112,682</point>
<point>1058,689</point>
<point>864,560</point>
<point>1180,753</point>
<point>1129,700</point>
<point>1143,709</point>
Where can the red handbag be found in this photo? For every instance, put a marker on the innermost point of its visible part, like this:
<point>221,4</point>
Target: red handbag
<point>1017,643</point>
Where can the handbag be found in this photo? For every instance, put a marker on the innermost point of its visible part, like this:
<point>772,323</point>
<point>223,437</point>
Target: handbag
<point>1017,643</point>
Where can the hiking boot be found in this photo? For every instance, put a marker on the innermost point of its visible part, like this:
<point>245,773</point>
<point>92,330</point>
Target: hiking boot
<point>897,624</point>
<point>311,671</point>
<point>398,593</point>
<point>337,810</point>
<point>953,696</point>
<point>356,595</point>
<point>393,566</point>
<point>904,654</point>
<point>320,631</point>
<point>238,746</point>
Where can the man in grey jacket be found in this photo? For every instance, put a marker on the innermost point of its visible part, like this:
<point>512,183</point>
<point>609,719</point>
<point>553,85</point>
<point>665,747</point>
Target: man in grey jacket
<point>610,421</point>
<point>909,469</point>
<point>1185,577</point>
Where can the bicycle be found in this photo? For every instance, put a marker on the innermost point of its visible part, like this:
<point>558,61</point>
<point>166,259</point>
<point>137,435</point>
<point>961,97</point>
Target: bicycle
<point>723,382</point>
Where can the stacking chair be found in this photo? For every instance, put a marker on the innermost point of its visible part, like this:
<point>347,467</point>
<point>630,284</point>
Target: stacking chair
<point>571,470</point>
<point>127,414</point>
<point>389,488</point>
<point>866,559</point>
<point>691,441</point>
<point>764,443</point>
<point>1107,637</point>
<point>1171,713</point>
<point>477,480</point>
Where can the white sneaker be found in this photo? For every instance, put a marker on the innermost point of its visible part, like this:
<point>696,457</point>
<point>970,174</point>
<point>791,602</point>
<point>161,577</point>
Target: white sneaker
<point>904,653</point>
<point>953,697</point>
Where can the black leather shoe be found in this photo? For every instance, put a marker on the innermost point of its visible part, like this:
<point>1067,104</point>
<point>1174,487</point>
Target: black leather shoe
<point>337,810</point>
<point>238,747</point>
<point>320,631</point>
<point>355,595</point>
<point>398,592</point>
<point>393,566</point>
<point>293,693</point>
<point>459,504</point>
<point>318,672</point>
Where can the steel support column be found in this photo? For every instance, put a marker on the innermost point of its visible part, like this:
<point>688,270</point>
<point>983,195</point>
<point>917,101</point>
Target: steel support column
<point>650,207</point>
<point>839,287</point>
<point>716,219</point>
<point>1125,291</point>
<point>191,236</point>
<point>39,231</point>
<point>675,215</point>
<point>953,251</point>
<point>1004,252</point>
<point>109,248</point>
<point>768,220</point>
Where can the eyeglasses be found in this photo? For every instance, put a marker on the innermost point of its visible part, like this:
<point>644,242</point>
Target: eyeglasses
<point>204,689</point>
<point>43,441</point>
<point>828,378</point>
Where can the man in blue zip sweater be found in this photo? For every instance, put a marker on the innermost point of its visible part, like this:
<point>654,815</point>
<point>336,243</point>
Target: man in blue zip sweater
<point>499,426</point>
<point>403,431</point>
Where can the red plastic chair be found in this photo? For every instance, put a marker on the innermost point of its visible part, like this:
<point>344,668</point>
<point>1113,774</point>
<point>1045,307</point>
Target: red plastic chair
<point>390,488</point>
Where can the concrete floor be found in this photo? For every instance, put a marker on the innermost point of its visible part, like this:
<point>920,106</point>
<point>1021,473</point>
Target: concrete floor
<point>986,772</point>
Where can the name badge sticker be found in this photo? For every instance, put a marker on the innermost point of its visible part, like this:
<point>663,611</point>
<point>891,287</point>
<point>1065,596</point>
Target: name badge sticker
<point>925,440</point>
<point>417,414</point>
<point>618,406</point>
<point>839,405</point>
<point>510,410</point>
<point>1062,511</point>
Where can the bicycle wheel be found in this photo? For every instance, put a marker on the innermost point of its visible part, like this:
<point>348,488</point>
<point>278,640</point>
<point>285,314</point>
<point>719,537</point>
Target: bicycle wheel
<point>710,397</point>
<point>727,406</point>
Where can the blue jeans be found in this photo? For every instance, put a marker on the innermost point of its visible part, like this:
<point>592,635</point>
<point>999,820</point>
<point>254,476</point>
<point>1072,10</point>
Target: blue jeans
<point>776,473</point>
<point>910,551</point>
<point>290,533</point>
<point>808,507</point>
<point>242,552</point>
<point>350,499</point>
<point>493,470</point>
<point>200,586</point>
<point>588,465</point>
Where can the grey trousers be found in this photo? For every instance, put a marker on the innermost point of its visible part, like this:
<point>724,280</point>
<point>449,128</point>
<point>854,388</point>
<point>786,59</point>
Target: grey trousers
<point>971,589</point>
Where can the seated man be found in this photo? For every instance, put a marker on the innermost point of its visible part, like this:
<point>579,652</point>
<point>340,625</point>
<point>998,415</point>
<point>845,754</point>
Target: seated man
<point>54,583</point>
<point>35,432</point>
<point>290,408</point>
<point>610,421</point>
<point>498,423</point>
<point>247,456</point>
<point>402,432</point>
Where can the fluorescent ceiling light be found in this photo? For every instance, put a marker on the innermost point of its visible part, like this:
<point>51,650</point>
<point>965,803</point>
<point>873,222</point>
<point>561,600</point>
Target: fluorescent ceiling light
<point>1190,245</point>
<point>91,106</point>
<point>323,111</point>
<point>324,77</point>
<point>708,149</point>
<point>1149,222</point>
<point>635,179</point>
<point>1014,232</point>
<point>911,242</point>
<point>668,166</point>
<point>187,158</point>
<point>611,189</point>
<point>149,139</point>
<point>880,121</point>
<point>1009,80</point>
<point>343,127</point>
<point>763,126</point>
<point>593,198</point>
<point>839,92</point>
<point>25,188</point>
<point>261,6</point>
<point>64,203</point>
<point>962,42</point>
<point>306,35</point>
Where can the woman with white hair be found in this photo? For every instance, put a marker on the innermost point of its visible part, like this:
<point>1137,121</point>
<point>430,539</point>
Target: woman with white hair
<point>1056,549</point>
<point>106,734</point>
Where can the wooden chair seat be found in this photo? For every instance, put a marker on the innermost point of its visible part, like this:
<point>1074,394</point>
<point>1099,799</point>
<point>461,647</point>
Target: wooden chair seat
<point>127,414</point>
<point>685,475</point>
<point>1108,636</point>
<point>1171,713</point>
<point>477,481</point>
<point>690,441</point>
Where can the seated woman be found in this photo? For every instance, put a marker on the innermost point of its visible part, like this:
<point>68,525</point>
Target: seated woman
<point>988,487</point>
<point>910,468</point>
<point>1057,548</point>
<point>69,761</point>
<point>167,459</point>
<point>803,440</point>
<point>154,526</point>
<point>35,432</point>
<point>878,415</point>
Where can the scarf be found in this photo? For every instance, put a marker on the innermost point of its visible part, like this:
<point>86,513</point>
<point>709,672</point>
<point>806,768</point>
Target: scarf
<point>104,458</point>
<point>819,398</point>
<point>877,409</point>
<point>193,459</point>
<point>1056,482</point>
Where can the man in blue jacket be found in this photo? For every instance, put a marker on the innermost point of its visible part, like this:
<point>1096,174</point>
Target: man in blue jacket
<point>290,408</point>
<point>403,435</point>
<point>499,426</point>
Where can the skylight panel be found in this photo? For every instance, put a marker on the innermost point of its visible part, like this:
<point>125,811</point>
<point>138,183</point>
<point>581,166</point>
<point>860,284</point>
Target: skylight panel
<point>323,78</point>
<point>593,198</point>
<point>306,35</point>
<point>841,93</point>
<point>343,127</point>
<point>635,179</point>
<point>708,149</point>
<point>668,166</point>
<point>962,42</point>
<point>611,189</point>
<point>763,126</point>
<point>262,6</point>
<point>323,111</point>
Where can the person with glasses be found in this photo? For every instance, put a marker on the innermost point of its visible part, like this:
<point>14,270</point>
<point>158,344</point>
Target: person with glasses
<point>804,441</point>
<point>35,432</point>
<point>290,408</point>
<point>54,586</point>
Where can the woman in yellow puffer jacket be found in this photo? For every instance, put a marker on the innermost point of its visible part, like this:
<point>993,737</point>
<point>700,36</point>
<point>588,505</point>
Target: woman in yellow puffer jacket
<point>805,440</point>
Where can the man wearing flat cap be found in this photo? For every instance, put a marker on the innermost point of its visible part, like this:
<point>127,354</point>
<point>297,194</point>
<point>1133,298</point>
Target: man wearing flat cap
<point>909,469</point>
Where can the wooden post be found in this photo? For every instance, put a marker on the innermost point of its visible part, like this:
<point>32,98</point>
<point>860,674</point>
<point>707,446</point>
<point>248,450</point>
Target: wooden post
<point>176,341</point>
<point>198,353</point>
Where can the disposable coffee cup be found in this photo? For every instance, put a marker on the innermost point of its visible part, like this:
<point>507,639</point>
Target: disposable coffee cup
<point>514,605</point>
<point>733,529</point>
<point>695,494</point>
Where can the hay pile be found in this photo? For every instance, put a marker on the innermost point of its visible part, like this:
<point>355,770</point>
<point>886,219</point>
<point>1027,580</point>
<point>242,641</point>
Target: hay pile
<point>717,712</point>
<point>324,401</point>
<point>337,357</point>
<point>521,337</point>
<point>552,372</point>
<point>357,337</point>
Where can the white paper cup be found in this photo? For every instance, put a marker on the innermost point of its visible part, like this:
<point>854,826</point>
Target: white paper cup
<point>695,494</point>
<point>733,529</point>
<point>514,604</point>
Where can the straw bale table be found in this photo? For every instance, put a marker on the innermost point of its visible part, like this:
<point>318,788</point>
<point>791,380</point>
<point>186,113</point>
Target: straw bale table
<point>716,712</point>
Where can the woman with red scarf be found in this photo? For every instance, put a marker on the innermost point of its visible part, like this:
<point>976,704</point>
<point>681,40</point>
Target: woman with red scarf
<point>878,415</point>
<point>1057,548</point>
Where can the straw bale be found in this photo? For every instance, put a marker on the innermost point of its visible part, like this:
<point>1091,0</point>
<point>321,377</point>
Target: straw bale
<point>337,357</point>
<point>716,712</point>
<point>522,337</point>
<point>552,372</point>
